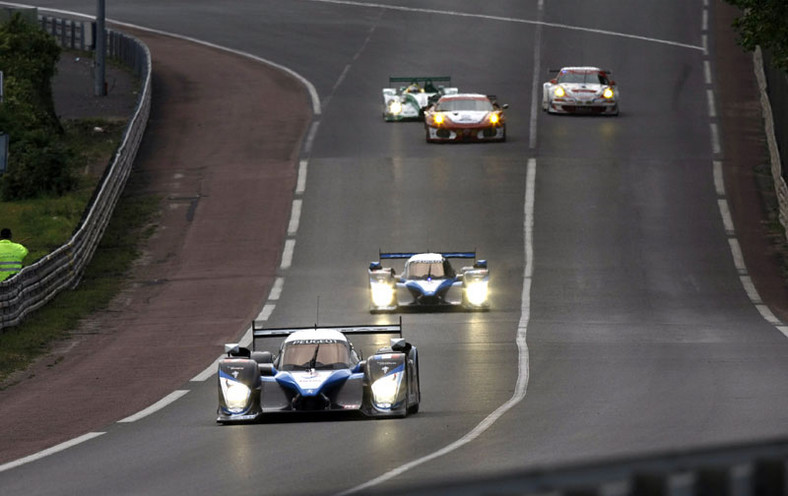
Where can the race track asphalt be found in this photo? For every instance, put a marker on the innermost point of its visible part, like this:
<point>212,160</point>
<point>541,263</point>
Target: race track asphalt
<point>220,145</point>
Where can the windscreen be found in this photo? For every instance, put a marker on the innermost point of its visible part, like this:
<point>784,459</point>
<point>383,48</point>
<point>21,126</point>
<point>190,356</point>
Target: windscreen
<point>582,77</point>
<point>425,270</point>
<point>464,104</point>
<point>300,355</point>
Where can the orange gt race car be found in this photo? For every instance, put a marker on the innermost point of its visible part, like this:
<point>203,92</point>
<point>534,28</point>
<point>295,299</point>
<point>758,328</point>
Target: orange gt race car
<point>465,117</point>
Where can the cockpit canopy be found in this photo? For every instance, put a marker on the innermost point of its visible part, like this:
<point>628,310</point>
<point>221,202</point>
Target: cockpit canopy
<point>320,354</point>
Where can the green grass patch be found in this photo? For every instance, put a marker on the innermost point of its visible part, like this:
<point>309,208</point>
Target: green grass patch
<point>45,224</point>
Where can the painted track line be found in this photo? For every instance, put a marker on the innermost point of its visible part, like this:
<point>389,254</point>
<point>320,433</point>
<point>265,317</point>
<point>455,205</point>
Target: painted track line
<point>50,451</point>
<point>170,398</point>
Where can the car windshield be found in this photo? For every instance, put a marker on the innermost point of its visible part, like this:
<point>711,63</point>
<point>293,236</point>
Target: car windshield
<point>582,77</point>
<point>464,104</point>
<point>300,355</point>
<point>425,270</point>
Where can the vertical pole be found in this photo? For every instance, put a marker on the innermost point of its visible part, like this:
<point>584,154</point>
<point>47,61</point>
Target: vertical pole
<point>99,88</point>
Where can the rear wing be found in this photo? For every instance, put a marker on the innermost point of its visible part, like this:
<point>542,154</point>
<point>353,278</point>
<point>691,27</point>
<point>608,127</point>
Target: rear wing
<point>420,79</point>
<point>446,254</point>
<point>279,332</point>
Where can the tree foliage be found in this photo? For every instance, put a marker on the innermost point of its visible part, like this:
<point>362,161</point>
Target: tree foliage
<point>764,23</point>
<point>39,163</point>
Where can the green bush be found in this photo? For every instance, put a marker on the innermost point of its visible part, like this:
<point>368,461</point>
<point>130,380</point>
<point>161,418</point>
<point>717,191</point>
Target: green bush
<point>39,162</point>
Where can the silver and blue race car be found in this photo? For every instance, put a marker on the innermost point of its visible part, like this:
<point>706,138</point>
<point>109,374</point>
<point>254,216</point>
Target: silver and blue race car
<point>414,94</point>
<point>428,280</point>
<point>317,369</point>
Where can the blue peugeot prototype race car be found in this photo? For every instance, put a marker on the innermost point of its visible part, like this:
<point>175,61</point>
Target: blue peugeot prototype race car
<point>317,369</point>
<point>427,281</point>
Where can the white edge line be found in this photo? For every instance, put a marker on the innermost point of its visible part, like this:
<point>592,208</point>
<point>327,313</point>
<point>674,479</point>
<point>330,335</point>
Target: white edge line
<point>301,184</point>
<point>170,398</point>
<point>266,312</point>
<point>715,139</point>
<point>295,217</point>
<point>276,289</point>
<point>287,254</point>
<point>749,287</point>
<point>725,213</point>
<point>719,178</point>
<point>712,107</point>
<point>738,258</point>
<point>50,451</point>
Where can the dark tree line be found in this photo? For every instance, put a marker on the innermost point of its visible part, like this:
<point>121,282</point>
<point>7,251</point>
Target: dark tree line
<point>764,23</point>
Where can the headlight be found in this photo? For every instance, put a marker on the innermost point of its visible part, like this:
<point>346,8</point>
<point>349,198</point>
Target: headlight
<point>395,107</point>
<point>381,293</point>
<point>559,92</point>
<point>608,93</point>
<point>476,293</point>
<point>494,118</point>
<point>236,394</point>
<point>385,389</point>
<point>438,119</point>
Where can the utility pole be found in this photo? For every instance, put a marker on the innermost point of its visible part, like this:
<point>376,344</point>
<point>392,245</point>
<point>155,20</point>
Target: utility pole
<point>99,86</point>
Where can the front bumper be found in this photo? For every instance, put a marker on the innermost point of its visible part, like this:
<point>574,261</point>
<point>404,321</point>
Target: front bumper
<point>583,107</point>
<point>457,134</point>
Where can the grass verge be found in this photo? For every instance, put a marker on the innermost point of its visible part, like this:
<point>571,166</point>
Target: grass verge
<point>47,223</point>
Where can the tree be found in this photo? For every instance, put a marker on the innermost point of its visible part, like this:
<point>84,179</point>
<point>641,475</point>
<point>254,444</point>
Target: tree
<point>764,23</point>
<point>39,162</point>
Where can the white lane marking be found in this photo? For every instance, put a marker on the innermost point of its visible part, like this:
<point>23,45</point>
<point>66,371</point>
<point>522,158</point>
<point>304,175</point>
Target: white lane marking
<point>705,43</point>
<point>783,329</point>
<point>310,137</point>
<point>710,100</point>
<point>749,288</point>
<point>716,148</point>
<point>301,184</point>
<point>707,72</point>
<point>287,254</point>
<point>276,289</point>
<point>523,360</point>
<point>767,314</point>
<point>266,312</point>
<point>155,407</point>
<point>719,182</point>
<point>50,451</point>
<point>725,213</point>
<point>738,257</point>
<point>704,23</point>
<point>207,371</point>
<point>512,19</point>
<point>295,217</point>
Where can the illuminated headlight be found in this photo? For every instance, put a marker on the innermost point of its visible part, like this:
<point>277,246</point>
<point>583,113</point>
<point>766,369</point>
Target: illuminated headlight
<point>382,294</point>
<point>386,389</point>
<point>438,119</point>
<point>395,107</point>
<point>236,394</point>
<point>608,93</point>
<point>494,119</point>
<point>559,92</point>
<point>476,293</point>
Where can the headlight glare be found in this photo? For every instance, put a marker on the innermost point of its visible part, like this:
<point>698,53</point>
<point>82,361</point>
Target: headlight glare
<point>438,119</point>
<point>477,293</point>
<point>395,107</point>
<point>386,389</point>
<point>559,92</point>
<point>236,395</point>
<point>608,93</point>
<point>382,294</point>
<point>494,119</point>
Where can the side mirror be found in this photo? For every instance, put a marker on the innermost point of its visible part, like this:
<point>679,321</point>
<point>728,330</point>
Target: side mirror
<point>612,83</point>
<point>480,264</point>
<point>553,81</point>
<point>400,346</point>
<point>375,266</point>
<point>505,106</point>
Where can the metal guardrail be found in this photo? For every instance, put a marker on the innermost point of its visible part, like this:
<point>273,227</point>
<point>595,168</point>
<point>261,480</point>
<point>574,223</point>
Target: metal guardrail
<point>39,283</point>
<point>773,86</point>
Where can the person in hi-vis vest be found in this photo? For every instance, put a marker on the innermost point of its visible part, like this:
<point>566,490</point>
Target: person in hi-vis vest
<point>11,255</point>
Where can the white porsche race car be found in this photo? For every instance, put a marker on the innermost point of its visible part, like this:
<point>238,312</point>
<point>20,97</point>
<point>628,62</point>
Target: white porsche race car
<point>407,102</point>
<point>581,90</point>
